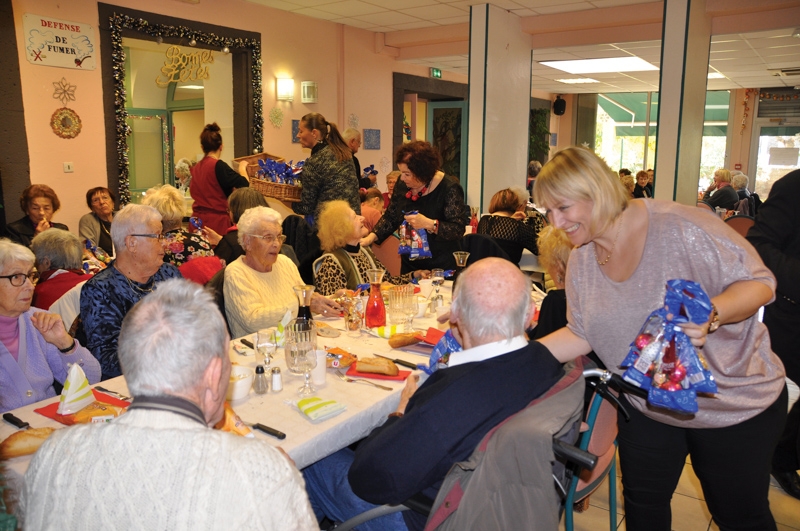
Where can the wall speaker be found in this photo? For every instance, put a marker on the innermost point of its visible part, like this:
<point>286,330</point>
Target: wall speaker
<point>559,106</point>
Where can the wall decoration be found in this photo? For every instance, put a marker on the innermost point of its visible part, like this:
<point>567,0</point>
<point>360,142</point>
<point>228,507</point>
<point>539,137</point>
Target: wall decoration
<point>295,131</point>
<point>352,121</point>
<point>65,123</point>
<point>181,66</point>
<point>372,138</point>
<point>59,43</point>
<point>64,91</point>
<point>119,23</point>
<point>276,117</point>
<point>386,165</point>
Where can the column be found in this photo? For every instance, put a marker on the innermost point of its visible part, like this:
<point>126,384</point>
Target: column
<point>685,48</point>
<point>499,103</point>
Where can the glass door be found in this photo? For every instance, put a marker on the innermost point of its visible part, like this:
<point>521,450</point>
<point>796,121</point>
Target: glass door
<point>149,153</point>
<point>775,155</point>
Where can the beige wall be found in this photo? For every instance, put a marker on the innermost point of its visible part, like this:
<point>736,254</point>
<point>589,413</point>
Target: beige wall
<point>188,125</point>
<point>352,78</point>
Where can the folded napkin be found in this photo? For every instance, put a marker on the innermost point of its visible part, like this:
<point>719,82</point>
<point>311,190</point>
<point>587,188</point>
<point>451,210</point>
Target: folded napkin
<point>316,409</point>
<point>387,331</point>
<point>280,335</point>
<point>76,394</point>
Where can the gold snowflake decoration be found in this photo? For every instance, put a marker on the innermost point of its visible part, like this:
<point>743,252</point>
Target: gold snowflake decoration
<point>276,117</point>
<point>64,91</point>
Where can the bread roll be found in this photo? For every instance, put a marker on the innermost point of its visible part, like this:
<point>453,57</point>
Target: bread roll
<point>377,366</point>
<point>24,442</point>
<point>403,340</point>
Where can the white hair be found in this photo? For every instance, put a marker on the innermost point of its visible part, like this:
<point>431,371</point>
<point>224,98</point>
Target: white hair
<point>169,338</point>
<point>350,133</point>
<point>739,181</point>
<point>521,194</point>
<point>132,219</point>
<point>183,168</point>
<point>60,248</point>
<point>11,252</point>
<point>501,314</point>
<point>255,216</point>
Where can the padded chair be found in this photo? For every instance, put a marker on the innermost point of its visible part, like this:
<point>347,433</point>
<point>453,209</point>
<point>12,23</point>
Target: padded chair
<point>200,269</point>
<point>740,223</point>
<point>481,246</point>
<point>484,491</point>
<point>702,205</point>
<point>600,439</point>
<point>387,254</point>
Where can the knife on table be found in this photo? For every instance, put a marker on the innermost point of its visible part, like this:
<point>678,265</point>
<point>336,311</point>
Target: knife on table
<point>397,361</point>
<point>266,429</point>
<point>16,421</point>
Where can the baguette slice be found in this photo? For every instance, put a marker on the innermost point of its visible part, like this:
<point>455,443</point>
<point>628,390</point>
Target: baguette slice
<point>377,366</point>
<point>24,442</point>
<point>403,340</point>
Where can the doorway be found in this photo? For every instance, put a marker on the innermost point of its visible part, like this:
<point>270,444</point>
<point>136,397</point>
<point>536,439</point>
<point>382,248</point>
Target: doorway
<point>774,154</point>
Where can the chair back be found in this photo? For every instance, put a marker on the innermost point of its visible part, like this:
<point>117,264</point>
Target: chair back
<point>508,479</point>
<point>481,246</point>
<point>387,254</point>
<point>702,205</point>
<point>200,269</point>
<point>740,224</point>
<point>217,287</point>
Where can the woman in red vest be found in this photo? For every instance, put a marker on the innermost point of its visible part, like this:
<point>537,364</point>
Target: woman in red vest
<point>213,181</point>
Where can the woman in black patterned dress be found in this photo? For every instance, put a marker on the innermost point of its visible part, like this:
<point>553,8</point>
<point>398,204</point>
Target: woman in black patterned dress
<point>438,199</point>
<point>329,173</point>
<point>508,225</point>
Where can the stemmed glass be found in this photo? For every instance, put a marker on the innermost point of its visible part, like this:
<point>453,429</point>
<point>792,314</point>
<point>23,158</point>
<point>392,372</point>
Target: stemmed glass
<point>437,279</point>
<point>266,345</point>
<point>300,347</point>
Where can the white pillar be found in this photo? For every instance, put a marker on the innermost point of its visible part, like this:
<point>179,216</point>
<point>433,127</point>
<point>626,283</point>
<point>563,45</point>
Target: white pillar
<point>499,103</point>
<point>685,49</point>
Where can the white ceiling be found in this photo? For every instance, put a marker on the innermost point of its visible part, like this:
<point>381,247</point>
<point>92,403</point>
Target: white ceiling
<point>747,60</point>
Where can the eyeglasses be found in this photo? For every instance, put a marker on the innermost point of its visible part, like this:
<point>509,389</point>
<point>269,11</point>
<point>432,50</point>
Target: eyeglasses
<point>270,239</point>
<point>159,237</point>
<point>19,279</point>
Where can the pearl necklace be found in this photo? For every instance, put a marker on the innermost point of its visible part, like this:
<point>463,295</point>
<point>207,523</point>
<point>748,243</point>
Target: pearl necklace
<point>613,245</point>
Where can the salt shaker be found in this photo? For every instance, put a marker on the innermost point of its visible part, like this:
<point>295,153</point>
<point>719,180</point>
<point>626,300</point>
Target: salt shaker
<point>260,384</point>
<point>277,381</point>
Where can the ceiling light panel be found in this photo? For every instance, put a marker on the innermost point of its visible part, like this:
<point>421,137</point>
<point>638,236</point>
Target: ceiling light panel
<point>593,66</point>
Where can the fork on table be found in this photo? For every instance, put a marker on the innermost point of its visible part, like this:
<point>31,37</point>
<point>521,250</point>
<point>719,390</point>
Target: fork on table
<point>353,380</point>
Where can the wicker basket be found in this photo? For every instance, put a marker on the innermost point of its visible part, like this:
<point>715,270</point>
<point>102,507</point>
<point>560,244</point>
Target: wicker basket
<point>252,162</point>
<point>283,192</point>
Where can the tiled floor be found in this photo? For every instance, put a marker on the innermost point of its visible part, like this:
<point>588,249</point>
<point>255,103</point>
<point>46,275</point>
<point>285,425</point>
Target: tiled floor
<point>689,511</point>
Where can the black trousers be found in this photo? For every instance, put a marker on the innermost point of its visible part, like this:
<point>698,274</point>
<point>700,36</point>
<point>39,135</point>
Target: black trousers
<point>732,463</point>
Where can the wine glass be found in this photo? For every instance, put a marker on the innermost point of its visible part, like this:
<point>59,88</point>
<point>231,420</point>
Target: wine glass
<point>410,305</point>
<point>437,279</point>
<point>266,345</point>
<point>306,360</point>
<point>300,347</point>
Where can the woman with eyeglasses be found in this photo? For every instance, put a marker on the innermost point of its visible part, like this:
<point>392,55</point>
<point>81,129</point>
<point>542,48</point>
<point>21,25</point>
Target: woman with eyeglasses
<point>96,225</point>
<point>136,272</point>
<point>35,349</point>
<point>39,203</point>
<point>259,286</point>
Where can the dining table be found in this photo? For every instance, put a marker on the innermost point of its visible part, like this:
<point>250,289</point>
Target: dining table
<point>306,442</point>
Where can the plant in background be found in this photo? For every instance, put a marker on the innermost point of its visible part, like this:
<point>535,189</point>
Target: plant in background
<point>539,135</point>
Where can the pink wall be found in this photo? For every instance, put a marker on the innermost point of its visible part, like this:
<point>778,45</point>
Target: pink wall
<point>351,77</point>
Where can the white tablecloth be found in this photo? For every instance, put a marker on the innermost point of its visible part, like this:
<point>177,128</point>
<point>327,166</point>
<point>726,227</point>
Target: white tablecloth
<point>305,442</point>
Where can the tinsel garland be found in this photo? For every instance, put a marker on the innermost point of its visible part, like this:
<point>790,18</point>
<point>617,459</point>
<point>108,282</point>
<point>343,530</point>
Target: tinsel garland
<point>118,23</point>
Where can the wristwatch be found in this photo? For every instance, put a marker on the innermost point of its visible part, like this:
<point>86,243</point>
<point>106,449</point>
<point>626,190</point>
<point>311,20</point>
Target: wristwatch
<point>713,319</point>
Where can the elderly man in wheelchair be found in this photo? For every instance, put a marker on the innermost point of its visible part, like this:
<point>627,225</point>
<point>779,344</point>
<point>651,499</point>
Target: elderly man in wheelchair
<point>458,415</point>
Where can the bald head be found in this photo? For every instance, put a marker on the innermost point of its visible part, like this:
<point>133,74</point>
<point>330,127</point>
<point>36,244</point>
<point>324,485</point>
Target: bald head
<point>491,301</point>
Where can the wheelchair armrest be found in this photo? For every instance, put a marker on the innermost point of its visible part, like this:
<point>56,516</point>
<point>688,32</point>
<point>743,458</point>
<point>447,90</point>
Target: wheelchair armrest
<point>574,454</point>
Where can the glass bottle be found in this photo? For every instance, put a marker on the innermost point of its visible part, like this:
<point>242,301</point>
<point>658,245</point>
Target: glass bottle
<point>375,313</point>
<point>260,384</point>
<point>304,294</point>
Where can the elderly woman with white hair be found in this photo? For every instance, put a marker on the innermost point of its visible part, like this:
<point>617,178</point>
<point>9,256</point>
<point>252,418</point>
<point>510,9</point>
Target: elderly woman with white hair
<point>259,285</point>
<point>137,270</point>
<point>35,349</point>
<point>181,245</point>
<point>59,259</point>
<point>183,175</point>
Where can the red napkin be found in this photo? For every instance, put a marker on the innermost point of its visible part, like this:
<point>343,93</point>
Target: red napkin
<point>432,336</point>
<point>51,410</point>
<point>353,371</point>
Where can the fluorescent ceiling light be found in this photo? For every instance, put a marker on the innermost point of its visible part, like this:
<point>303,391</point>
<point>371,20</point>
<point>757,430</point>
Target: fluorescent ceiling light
<point>599,66</point>
<point>715,75</point>
<point>578,80</point>
<point>191,87</point>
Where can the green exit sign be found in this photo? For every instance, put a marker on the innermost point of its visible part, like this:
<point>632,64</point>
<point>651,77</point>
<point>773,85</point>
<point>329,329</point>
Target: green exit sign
<point>436,73</point>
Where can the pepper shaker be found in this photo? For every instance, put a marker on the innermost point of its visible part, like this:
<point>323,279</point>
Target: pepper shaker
<point>261,384</point>
<point>277,381</point>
